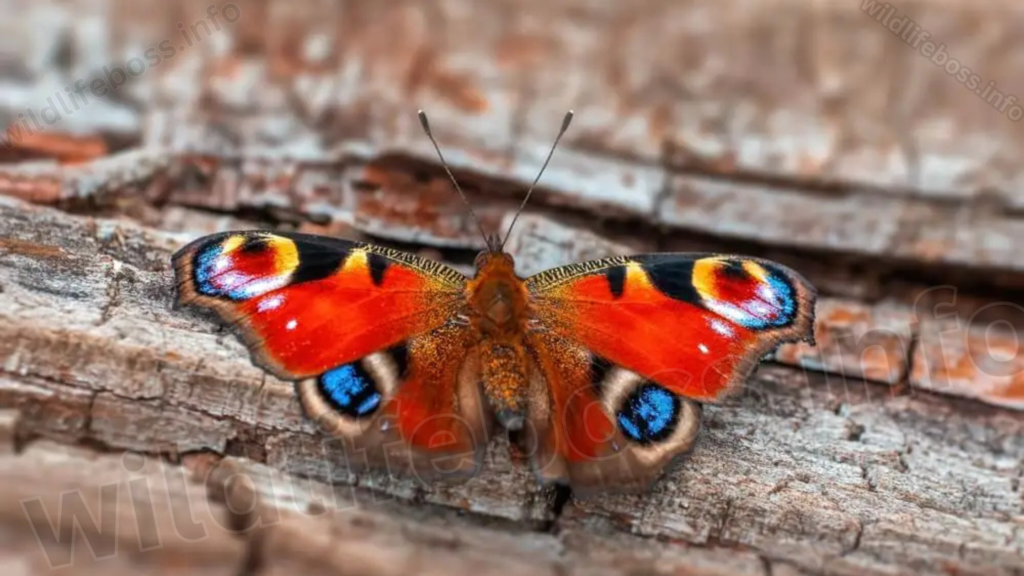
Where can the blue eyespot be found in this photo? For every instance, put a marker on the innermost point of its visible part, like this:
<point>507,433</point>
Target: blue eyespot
<point>649,414</point>
<point>350,390</point>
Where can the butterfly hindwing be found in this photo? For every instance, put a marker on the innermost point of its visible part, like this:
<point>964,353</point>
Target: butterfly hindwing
<point>368,333</point>
<point>694,323</point>
<point>600,425</point>
<point>415,406</point>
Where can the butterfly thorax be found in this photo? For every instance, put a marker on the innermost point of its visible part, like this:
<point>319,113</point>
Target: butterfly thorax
<point>498,311</point>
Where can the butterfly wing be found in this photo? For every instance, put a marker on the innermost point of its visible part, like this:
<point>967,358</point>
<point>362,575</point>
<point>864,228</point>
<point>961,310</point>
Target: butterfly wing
<point>416,406</point>
<point>651,334</point>
<point>368,332</point>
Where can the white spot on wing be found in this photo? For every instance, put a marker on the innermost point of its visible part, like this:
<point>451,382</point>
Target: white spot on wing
<point>729,310</point>
<point>291,324</point>
<point>722,328</point>
<point>260,287</point>
<point>702,348</point>
<point>270,303</point>
<point>230,280</point>
<point>759,309</point>
<point>766,293</point>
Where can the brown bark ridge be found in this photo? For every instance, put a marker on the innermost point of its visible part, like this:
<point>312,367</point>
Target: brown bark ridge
<point>806,472</point>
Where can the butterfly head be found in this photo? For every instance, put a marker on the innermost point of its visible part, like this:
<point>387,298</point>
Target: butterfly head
<point>490,262</point>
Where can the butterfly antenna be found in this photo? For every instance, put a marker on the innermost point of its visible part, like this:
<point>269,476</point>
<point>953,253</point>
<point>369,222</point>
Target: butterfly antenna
<point>565,126</point>
<point>426,128</point>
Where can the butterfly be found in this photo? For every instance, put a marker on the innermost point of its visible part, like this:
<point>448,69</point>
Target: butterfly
<point>598,369</point>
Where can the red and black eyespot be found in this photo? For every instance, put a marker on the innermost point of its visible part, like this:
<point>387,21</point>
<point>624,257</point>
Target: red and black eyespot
<point>240,266</point>
<point>755,294</point>
<point>244,265</point>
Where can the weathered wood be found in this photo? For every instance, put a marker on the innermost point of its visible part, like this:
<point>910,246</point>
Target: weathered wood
<point>819,154</point>
<point>729,87</point>
<point>956,357</point>
<point>68,509</point>
<point>804,471</point>
<point>231,516</point>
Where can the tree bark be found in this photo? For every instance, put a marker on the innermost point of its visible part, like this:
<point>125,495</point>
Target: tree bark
<point>805,471</point>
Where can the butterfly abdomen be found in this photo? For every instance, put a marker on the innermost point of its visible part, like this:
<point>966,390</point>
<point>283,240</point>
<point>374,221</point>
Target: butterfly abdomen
<point>503,371</point>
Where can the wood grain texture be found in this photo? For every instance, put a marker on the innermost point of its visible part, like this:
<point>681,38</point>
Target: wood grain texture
<point>799,473</point>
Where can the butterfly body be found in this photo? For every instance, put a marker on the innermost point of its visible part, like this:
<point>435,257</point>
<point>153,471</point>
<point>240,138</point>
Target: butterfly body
<point>600,365</point>
<point>499,317</point>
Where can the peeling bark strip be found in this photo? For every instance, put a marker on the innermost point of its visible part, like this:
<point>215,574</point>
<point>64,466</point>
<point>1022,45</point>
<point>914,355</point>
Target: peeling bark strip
<point>803,473</point>
<point>230,516</point>
<point>50,183</point>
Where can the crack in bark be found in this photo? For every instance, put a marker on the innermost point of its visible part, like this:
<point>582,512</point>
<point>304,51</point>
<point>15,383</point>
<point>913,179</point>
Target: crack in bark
<point>113,293</point>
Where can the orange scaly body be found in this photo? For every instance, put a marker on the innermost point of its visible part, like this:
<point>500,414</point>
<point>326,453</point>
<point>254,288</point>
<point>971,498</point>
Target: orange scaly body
<point>498,303</point>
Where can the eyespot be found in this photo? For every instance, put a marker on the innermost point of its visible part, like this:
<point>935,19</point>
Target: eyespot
<point>345,400</point>
<point>648,414</point>
<point>350,390</point>
<point>240,267</point>
<point>748,293</point>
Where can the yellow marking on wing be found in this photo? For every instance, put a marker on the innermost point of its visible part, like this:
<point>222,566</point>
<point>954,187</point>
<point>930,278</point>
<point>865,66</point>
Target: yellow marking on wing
<point>756,270</point>
<point>356,262</point>
<point>636,276</point>
<point>705,273</point>
<point>232,243</point>
<point>286,254</point>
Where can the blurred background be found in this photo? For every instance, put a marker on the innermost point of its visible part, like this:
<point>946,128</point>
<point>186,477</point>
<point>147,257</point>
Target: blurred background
<point>876,147</point>
<point>811,124</point>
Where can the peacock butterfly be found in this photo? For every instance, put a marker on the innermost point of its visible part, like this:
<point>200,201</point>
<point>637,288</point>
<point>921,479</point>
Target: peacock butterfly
<point>600,366</point>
